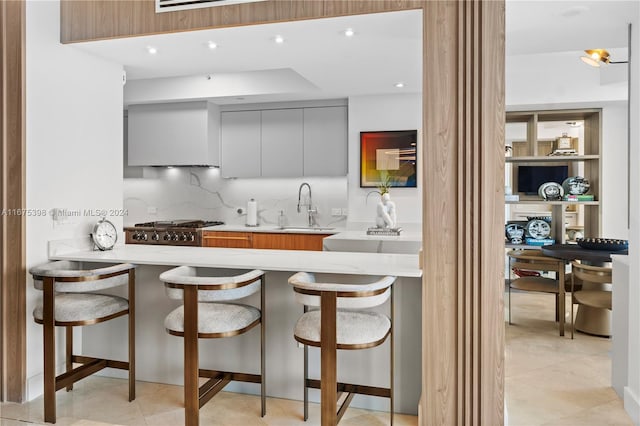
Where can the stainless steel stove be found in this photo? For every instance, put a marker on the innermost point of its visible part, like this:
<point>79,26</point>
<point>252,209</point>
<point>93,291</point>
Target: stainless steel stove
<point>169,232</point>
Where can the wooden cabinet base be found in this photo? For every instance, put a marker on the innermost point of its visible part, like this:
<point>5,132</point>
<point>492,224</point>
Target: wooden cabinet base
<point>263,240</point>
<point>227,239</point>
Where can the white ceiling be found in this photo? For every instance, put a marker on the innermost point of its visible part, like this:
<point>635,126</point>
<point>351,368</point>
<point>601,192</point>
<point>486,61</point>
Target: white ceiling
<point>546,26</point>
<point>387,47</point>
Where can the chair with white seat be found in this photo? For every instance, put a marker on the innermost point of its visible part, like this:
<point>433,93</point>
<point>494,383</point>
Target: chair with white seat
<point>206,313</point>
<point>69,300</point>
<point>340,323</point>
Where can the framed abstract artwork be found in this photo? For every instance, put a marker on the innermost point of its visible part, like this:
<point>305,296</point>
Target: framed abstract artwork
<point>388,159</point>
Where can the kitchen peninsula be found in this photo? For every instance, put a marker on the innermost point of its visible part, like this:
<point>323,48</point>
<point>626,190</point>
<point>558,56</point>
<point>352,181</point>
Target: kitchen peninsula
<point>160,355</point>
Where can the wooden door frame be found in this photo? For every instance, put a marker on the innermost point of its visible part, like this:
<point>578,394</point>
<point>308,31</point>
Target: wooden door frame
<point>12,223</point>
<point>463,158</point>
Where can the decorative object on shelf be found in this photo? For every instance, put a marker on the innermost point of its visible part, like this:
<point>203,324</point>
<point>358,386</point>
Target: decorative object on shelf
<point>576,185</point>
<point>545,218</point>
<point>574,234</point>
<point>390,155</point>
<point>586,197</point>
<point>551,191</point>
<point>386,212</point>
<point>514,233</point>
<point>390,232</point>
<point>538,229</point>
<point>609,244</point>
<point>539,241</point>
<point>104,235</point>
<point>563,146</point>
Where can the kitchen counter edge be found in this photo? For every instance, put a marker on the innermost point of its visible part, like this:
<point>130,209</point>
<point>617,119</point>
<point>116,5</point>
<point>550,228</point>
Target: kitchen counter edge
<point>357,263</point>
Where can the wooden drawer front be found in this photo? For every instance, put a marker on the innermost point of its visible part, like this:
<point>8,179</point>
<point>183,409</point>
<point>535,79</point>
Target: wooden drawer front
<point>227,239</point>
<point>263,240</point>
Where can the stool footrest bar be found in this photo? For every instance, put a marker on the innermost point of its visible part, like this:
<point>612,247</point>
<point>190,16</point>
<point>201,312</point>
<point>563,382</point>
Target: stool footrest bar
<point>350,388</point>
<point>120,365</point>
<point>345,405</point>
<point>234,377</point>
<point>211,388</point>
<point>79,373</point>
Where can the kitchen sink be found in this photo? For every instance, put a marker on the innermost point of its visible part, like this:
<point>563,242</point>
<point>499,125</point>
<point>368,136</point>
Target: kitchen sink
<point>306,228</point>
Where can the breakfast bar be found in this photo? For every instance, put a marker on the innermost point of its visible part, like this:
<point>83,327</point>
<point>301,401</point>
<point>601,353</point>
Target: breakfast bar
<point>159,355</point>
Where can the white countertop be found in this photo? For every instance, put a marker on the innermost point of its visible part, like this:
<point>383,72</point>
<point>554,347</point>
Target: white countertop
<point>273,228</point>
<point>401,265</point>
<point>362,235</point>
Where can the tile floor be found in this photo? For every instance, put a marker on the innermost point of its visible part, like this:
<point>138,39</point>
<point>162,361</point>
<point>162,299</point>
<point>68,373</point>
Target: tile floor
<point>553,380</point>
<point>549,380</point>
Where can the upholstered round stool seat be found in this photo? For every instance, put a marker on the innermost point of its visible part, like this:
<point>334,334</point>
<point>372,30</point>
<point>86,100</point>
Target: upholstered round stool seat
<point>594,298</point>
<point>218,319</point>
<point>353,328</point>
<point>75,307</point>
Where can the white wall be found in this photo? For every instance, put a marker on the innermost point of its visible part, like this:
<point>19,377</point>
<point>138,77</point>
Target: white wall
<point>562,77</point>
<point>613,198</point>
<point>632,391</point>
<point>383,112</point>
<point>73,147</point>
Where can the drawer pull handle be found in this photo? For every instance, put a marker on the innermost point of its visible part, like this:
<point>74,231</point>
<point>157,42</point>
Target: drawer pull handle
<point>208,237</point>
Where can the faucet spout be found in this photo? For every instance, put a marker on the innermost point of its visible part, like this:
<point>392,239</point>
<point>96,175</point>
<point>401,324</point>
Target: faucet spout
<point>300,195</point>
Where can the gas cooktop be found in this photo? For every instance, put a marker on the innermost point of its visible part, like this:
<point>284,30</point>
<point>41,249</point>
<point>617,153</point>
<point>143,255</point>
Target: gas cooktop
<point>168,232</point>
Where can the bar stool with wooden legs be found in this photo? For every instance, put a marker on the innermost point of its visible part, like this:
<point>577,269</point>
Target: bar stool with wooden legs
<point>205,316</point>
<point>341,324</point>
<point>69,300</point>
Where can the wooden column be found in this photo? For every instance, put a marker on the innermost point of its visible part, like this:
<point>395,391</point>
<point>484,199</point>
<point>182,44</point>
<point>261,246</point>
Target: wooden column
<point>463,223</point>
<point>12,176</point>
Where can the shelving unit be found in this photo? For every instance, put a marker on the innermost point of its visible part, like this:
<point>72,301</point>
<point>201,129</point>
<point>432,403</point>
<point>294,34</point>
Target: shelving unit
<point>531,136</point>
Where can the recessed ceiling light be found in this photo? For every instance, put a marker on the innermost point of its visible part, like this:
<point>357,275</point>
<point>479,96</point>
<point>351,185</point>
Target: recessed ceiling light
<point>279,39</point>
<point>212,45</point>
<point>349,32</point>
<point>399,85</point>
<point>152,50</point>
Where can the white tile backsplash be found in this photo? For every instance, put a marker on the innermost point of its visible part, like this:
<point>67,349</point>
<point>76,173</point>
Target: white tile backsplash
<point>200,193</point>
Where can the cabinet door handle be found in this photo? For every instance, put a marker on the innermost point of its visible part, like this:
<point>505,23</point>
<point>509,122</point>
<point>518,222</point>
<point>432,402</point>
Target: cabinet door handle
<point>208,237</point>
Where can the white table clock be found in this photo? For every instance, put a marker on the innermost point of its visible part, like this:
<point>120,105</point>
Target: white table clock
<point>104,235</point>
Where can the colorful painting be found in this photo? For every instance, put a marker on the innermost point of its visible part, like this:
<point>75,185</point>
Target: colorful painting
<point>388,159</point>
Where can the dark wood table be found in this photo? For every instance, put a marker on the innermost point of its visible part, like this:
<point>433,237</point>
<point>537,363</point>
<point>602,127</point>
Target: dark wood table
<point>589,320</point>
<point>575,252</point>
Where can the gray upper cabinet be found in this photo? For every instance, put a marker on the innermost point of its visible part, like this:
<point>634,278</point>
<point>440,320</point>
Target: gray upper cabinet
<point>174,134</point>
<point>325,141</point>
<point>287,142</point>
<point>282,135</point>
<point>240,144</point>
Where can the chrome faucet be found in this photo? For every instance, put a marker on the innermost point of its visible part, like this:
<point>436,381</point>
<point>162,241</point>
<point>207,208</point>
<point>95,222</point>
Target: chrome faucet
<point>311,212</point>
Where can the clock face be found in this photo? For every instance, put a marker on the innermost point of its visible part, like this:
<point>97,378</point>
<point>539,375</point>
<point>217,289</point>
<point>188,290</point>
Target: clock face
<point>104,235</point>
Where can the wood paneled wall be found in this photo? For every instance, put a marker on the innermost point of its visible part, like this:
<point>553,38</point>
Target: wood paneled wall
<point>12,223</point>
<point>83,20</point>
<point>463,126</point>
<point>463,213</point>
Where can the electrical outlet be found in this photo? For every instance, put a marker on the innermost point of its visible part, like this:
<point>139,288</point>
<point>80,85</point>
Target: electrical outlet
<point>345,212</point>
<point>240,210</point>
<point>336,211</point>
<point>152,210</point>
